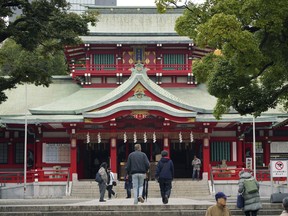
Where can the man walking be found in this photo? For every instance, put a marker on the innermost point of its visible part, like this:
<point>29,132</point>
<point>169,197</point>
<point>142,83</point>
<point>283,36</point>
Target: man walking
<point>164,174</point>
<point>137,166</point>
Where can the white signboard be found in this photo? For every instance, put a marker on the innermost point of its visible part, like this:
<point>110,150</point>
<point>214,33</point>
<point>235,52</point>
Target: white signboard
<point>249,163</point>
<point>56,152</point>
<point>279,168</point>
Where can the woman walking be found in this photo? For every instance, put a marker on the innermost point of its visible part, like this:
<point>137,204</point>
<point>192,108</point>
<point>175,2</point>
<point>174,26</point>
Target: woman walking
<point>103,184</point>
<point>249,188</point>
<point>111,182</point>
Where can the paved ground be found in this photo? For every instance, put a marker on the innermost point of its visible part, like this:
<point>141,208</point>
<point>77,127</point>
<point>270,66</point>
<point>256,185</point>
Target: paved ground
<point>116,201</point>
<point>83,202</point>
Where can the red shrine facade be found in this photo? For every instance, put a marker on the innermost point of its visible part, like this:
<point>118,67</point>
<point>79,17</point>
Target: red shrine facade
<point>134,87</point>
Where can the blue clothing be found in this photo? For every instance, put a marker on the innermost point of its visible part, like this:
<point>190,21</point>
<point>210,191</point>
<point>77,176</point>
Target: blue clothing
<point>165,169</point>
<point>138,182</point>
<point>137,163</point>
<point>128,185</point>
<point>137,166</point>
<point>165,174</point>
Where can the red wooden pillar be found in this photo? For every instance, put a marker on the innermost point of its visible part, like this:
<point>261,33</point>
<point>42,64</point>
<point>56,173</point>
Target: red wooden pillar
<point>266,153</point>
<point>113,155</point>
<point>240,153</point>
<point>73,158</point>
<point>38,148</point>
<point>166,145</point>
<point>38,154</point>
<point>206,157</point>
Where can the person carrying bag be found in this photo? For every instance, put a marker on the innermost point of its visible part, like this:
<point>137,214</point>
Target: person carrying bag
<point>252,202</point>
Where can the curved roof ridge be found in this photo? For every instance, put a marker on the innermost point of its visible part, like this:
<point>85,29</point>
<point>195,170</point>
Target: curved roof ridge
<point>166,95</point>
<point>115,93</point>
<point>139,74</point>
<point>140,105</point>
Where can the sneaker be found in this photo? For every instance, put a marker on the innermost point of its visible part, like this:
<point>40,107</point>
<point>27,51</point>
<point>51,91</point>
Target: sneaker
<point>115,195</point>
<point>165,200</point>
<point>140,199</point>
<point>102,200</point>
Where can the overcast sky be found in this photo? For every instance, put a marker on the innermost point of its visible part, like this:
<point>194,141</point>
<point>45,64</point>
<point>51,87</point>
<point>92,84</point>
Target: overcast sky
<point>142,2</point>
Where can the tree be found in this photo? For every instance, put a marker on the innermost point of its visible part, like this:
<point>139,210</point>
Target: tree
<point>248,70</point>
<point>41,31</point>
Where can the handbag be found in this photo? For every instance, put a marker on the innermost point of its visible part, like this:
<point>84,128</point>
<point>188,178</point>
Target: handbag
<point>98,178</point>
<point>114,183</point>
<point>240,201</point>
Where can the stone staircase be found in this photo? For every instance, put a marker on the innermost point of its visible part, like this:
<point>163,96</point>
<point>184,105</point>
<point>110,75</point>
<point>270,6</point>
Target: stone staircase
<point>181,188</point>
<point>94,209</point>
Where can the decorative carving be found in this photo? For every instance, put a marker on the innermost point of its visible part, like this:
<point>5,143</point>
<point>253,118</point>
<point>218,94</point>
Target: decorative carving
<point>140,114</point>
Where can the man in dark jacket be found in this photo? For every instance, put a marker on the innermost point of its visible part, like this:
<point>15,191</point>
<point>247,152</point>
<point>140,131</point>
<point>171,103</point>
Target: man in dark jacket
<point>164,174</point>
<point>137,166</point>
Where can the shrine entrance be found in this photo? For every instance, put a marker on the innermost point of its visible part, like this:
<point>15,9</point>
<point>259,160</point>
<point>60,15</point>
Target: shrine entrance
<point>182,155</point>
<point>149,148</point>
<point>90,157</point>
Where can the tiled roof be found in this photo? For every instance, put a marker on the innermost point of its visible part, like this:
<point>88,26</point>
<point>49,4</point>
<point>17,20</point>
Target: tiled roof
<point>136,39</point>
<point>65,101</point>
<point>140,105</point>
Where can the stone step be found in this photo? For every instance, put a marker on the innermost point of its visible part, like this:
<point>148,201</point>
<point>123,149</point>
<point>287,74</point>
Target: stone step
<point>139,210</point>
<point>180,188</point>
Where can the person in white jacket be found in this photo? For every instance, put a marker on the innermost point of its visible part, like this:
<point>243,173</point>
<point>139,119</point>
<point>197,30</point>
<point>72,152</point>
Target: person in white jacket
<point>111,180</point>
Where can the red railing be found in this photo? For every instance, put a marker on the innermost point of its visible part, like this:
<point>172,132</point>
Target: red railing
<point>34,175</point>
<point>233,174</point>
<point>225,173</point>
<point>113,69</point>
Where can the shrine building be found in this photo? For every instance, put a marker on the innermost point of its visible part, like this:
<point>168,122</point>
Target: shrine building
<point>131,82</point>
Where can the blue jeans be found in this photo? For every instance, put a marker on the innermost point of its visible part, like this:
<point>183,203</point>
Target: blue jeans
<point>195,174</point>
<point>138,181</point>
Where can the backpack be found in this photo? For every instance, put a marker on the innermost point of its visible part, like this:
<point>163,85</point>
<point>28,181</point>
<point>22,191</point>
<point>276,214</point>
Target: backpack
<point>250,186</point>
<point>98,178</point>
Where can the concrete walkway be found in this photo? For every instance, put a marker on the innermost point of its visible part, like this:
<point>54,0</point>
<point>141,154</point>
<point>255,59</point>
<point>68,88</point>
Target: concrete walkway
<point>90,202</point>
<point>113,202</point>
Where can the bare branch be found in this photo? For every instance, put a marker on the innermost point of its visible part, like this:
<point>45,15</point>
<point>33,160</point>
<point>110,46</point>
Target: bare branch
<point>262,70</point>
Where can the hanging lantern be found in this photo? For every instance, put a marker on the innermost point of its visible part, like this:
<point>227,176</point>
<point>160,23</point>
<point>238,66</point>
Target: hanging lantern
<point>180,137</point>
<point>125,137</point>
<point>154,137</point>
<point>135,137</point>
<point>191,137</point>
<point>88,138</point>
<point>145,137</point>
<point>99,137</point>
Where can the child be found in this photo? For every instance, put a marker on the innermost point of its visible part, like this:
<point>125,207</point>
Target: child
<point>128,185</point>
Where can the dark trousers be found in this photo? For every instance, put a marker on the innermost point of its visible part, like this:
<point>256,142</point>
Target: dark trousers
<point>102,189</point>
<point>128,190</point>
<point>165,187</point>
<point>251,213</point>
<point>110,191</point>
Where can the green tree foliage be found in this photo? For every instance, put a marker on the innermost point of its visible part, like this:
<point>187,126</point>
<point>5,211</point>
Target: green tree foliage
<point>249,71</point>
<point>38,32</point>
